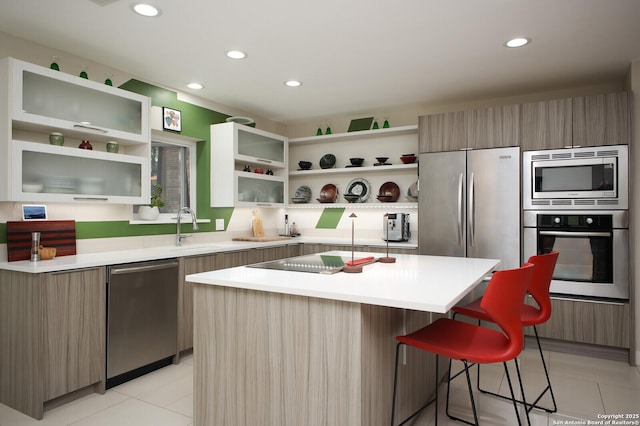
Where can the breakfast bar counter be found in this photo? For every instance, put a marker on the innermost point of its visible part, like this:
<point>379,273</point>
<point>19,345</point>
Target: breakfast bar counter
<point>290,348</point>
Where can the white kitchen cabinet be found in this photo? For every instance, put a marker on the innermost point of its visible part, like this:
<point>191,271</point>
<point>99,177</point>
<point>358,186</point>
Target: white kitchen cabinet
<point>389,142</point>
<point>57,173</point>
<point>38,101</point>
<point>235,146</point>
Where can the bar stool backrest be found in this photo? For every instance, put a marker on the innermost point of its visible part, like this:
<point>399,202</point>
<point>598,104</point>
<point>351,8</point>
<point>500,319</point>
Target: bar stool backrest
<point>502,301</point>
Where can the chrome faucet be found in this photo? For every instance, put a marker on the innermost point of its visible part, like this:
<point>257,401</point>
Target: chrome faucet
<point>179,236</point>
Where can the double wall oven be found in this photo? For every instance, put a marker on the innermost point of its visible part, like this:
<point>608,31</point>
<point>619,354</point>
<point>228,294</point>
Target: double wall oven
<point>576,202</point>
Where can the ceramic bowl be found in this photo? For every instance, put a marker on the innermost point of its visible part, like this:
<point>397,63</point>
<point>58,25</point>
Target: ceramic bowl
<point>352,198</point>
<point>112,147</point>
<point>356,161</point>
<point>56,138</point>
<point>32,187</point>
<point>389,189</point>
<point>328,194</point>
<point>385,198</point>
<point>304,165</point>
<point>327,161</point>
<point>408,159</point>
<point>382,160</point>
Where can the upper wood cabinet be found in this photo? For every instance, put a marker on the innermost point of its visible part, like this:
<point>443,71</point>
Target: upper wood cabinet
<point>475,129</point>
<point>601,119</point>
<point>442,132</point>
<point>546,125</point>
<point>495,127</point>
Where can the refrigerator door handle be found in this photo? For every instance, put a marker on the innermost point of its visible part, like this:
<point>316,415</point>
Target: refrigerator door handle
<point>472,211</point>
<point>460,180</point>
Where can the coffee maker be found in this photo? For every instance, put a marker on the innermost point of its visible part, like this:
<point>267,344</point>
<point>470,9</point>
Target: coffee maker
<point>398,227</point>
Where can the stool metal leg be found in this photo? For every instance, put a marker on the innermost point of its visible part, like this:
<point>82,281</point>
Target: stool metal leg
<point>532,405</point>
<point>470,387</point>
<point>395,388</point>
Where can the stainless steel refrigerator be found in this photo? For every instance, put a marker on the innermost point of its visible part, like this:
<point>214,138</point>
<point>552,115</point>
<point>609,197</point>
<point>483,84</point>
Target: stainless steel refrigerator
<point>469,204</point>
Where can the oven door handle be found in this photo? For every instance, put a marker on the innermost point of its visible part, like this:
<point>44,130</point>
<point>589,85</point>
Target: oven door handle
<point>575,234</point>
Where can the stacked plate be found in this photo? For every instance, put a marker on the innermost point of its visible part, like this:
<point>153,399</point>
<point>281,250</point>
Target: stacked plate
<point>302,195</point>
<point>61,185</point>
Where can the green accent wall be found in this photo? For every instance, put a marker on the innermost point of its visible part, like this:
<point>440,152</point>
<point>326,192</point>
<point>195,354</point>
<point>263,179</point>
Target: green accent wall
<point>196,122</point>
<point>330,218</point>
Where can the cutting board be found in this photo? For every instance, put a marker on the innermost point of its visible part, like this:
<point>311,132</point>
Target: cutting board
<point>60,234</point>
<point>260,239</point>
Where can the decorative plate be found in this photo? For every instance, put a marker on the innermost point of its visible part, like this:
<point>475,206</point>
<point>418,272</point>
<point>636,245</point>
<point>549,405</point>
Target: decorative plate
<point>303,192</point>
<point>359,187</point>
<point>412,192</point>
<point>327,161</point>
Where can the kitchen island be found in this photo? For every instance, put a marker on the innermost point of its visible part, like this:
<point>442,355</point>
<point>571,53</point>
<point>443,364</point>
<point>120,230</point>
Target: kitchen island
<point>290,348</point>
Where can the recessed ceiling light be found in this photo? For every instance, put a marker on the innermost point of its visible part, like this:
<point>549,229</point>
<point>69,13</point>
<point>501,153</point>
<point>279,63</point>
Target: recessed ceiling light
<point>145,9</point>
<point>196,86</point>
<point>293,83</point>
<point>518,42</point>
<point>236,54</point>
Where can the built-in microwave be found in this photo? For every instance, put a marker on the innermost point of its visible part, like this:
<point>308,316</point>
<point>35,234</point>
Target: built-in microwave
<point>576,178</point>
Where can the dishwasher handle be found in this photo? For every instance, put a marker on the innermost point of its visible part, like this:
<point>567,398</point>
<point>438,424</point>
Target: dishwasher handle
<point>144,268</point>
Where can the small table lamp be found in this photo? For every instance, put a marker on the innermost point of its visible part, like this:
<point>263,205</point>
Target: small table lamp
<point>352,268</point>
<point>387,259</point>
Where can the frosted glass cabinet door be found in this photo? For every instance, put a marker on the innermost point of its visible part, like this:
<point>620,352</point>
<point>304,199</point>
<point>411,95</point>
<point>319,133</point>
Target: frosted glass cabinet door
<point>53,98</point>
<point>260,148</point>
<point>253,189</point>
<point>47,175</point>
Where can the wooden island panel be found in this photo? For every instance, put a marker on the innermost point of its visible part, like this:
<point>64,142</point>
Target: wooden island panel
<point>269,358</point>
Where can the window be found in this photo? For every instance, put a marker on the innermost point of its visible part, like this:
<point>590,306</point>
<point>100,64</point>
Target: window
<point>173,167</point>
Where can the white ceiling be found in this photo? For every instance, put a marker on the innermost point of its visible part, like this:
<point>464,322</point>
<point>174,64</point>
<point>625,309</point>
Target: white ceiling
<point>351,55</point>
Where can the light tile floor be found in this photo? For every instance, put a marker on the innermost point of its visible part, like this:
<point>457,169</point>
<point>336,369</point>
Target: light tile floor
<point>585,389</point>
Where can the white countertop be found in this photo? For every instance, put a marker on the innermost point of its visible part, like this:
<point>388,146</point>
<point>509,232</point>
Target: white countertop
<point>90,260</point>
<point>424,283</point>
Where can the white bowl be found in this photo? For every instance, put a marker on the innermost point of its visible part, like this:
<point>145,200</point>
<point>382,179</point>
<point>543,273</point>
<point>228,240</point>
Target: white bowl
<point>32,187</point>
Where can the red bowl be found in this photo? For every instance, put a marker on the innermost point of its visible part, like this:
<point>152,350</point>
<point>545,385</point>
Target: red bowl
<point>408,159</point>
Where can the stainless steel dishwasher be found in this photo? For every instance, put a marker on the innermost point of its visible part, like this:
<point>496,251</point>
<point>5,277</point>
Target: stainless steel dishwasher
<point>142,305</point>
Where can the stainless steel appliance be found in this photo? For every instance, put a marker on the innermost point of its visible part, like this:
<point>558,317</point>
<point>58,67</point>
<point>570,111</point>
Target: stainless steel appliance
<point>593,250</point>
<point>469,204</point>
<point>142,312</point>
<point>576,178</point>
<point>397,228</point>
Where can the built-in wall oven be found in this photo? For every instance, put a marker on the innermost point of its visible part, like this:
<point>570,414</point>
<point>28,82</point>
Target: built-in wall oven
<point>593,250</point>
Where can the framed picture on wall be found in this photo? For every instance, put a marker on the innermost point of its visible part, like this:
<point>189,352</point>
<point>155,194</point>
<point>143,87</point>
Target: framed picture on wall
<point>171,119</point>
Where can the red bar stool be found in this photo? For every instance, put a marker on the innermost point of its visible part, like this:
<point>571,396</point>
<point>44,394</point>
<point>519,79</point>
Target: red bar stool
<point>530,315</point>
<point>471,343</point>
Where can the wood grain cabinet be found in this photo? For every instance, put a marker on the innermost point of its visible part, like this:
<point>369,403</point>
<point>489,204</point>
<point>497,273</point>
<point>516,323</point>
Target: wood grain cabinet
<point>442,132</point>
<point>595,323</point>
<point>546,125</point>
<point>493,127</point>
<point>211,262</point>
<point>52,336</point>
<point>601,119</point>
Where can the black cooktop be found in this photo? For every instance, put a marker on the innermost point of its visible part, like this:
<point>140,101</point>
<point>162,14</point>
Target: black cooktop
<point>314,263</point>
